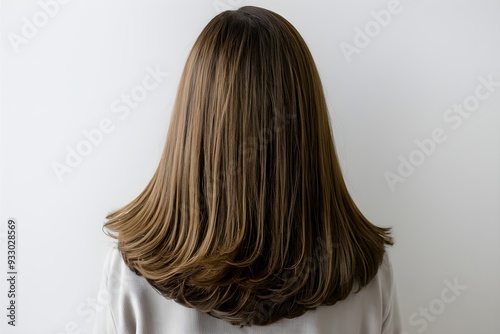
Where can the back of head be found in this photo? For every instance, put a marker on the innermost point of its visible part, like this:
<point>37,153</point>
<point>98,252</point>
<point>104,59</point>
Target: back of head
<point>247,216</point>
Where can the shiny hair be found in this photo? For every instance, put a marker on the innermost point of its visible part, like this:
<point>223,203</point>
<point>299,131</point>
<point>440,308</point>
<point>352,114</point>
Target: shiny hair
<point>247,216</point>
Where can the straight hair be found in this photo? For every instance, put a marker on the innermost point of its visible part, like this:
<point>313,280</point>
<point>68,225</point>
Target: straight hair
<point>247,216</point>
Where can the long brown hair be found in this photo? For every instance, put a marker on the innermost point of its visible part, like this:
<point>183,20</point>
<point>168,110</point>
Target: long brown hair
<point>247,216</point>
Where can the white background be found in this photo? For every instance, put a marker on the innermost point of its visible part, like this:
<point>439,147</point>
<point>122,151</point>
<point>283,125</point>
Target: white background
<point>66,77</point>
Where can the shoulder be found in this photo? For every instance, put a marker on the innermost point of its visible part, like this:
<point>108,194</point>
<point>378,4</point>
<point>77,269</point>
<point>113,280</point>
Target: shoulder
<point>384,279</point>
<point>391,313</point>
<point>127,293</point>
<point>378,293</point>
<point>385,270</point>
<point>119,276</point>
<point>125,289</point>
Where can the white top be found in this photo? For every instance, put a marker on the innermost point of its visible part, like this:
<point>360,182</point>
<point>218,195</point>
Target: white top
<point>131,305</point>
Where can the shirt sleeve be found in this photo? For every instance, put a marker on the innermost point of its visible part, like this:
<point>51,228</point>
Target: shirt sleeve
<point>392,317</point>
<point>104,320</point>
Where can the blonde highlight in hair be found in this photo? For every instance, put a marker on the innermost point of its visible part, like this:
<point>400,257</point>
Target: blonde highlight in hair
<point>247,216</point>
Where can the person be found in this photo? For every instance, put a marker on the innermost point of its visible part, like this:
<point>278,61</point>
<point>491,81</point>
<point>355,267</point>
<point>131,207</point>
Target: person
<point>247,225</point>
